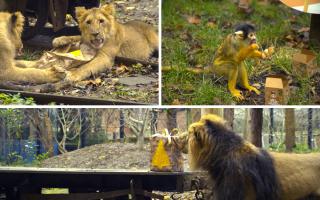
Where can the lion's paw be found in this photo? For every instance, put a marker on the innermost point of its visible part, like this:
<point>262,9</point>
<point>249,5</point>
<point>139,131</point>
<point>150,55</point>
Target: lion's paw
<point>60,41</point>
<point>58,73</point>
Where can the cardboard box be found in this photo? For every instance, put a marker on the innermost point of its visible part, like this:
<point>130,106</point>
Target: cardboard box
<point>244,4</point>
<point>276,90</point>
<point>304,63</point>
<point>166,155</point>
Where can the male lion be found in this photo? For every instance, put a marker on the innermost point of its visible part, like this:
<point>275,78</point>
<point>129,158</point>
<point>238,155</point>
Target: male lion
<point>240,170</point>
<point>100,30</point>
<point>11,27</point>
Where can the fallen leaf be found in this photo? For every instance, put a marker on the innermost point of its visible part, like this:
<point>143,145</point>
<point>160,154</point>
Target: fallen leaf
<point>194,19</point>
<point>176,102</point>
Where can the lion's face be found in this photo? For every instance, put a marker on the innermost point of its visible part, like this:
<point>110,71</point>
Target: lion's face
<point>97,25</point>
<point>201,143</point>
<point>14,27</point>
<point>198,144</point>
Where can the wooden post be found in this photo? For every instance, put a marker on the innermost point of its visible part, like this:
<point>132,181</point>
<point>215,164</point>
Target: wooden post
<point>315,30</point>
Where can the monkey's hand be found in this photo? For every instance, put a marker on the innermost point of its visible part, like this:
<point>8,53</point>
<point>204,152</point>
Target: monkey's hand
<point>237,94</point>
<point>268,52</point>
<point>254,46</point>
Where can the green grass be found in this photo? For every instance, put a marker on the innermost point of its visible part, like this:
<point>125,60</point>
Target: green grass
<point>189,45</point>
<point>7,99</point>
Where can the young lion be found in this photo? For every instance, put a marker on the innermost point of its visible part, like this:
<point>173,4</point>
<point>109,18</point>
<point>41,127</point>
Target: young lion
<point>100,30</point>
<point>11,27</point>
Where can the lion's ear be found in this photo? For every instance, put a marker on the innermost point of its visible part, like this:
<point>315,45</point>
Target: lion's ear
<point>17,22</point>
<point>80,11</point>
<point>109,8</point>
<point>17,19</point>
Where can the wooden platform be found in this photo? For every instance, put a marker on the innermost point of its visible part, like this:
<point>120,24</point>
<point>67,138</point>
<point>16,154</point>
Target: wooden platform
<point>27,182</point>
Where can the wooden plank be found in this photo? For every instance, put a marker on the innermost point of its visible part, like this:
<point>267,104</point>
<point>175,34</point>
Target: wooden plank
<point>88,171</point>
<point>77,196</point>
<point>44,99</point>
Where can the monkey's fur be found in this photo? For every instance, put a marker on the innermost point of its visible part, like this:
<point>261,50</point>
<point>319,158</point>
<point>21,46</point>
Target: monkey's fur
<point>240,170</point>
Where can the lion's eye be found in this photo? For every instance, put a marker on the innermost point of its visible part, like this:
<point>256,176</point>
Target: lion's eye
<point>101,21</point>
<point>88,21</point>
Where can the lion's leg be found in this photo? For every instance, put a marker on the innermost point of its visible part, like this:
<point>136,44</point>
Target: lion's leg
<point>34,75</point>
<point>94,67</point>
<point>25,63</point>
<point>65,40</point>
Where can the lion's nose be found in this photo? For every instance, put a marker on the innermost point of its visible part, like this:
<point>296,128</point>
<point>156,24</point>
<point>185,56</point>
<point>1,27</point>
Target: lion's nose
<point>95,34</point>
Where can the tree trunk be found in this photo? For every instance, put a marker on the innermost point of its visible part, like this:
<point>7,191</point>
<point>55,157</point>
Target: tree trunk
<point>85,127</point>
<point>256,126</point>
<point>271,126</point>
<point>246,126</point>
<point>172,118</point>
<point>122,124</point>
<point>40,119</point>
<point>215,111</point>
<point>154,121</point>
<point>290,129</point>
<point>310,135</point>
<point>228,115</point>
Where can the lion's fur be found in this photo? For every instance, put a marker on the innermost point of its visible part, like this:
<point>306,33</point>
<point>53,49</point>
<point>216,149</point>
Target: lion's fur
<point>133,39</point>
<point>240,170</point>
<point>11,27</point>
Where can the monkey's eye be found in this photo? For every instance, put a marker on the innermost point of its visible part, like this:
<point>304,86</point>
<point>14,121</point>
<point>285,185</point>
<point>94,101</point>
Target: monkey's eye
<point>88,21</point>
<point>101,21</point>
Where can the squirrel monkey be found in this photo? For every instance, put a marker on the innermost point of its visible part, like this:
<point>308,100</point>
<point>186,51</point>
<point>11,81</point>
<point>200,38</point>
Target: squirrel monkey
<point>230,56</point>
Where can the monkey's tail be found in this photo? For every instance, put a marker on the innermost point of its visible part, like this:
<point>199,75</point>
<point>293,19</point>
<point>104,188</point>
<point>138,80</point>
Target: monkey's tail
<point>193,70</point>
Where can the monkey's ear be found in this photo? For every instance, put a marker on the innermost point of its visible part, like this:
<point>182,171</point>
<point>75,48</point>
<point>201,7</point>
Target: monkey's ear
<point>80,12</point>
<point>239,33</point>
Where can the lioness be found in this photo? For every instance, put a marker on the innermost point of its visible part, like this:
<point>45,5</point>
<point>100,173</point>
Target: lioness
<point>11,27</point>
<point>100,30</point>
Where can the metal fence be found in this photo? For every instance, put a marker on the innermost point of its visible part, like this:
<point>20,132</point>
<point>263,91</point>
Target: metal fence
<point>27,149</point>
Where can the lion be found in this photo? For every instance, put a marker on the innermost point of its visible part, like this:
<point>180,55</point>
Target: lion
<point>240,170</point>
<point>11,27</point>
<point>100,30</point>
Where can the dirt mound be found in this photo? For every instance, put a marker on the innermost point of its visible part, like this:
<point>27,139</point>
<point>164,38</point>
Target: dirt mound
<point>103,156</point>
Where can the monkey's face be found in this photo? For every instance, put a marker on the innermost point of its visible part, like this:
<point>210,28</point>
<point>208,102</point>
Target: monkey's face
<point>252,38</point>
<point>249,38</point>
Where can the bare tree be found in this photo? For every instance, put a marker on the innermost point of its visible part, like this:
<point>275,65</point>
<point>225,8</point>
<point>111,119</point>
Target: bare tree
<point>290,129</point>
<point>70,121</point>
<point>137,119</point>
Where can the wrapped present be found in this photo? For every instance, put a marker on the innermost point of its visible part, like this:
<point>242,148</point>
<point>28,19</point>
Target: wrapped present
<point>166,154</point>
